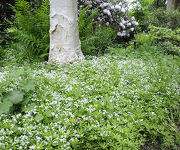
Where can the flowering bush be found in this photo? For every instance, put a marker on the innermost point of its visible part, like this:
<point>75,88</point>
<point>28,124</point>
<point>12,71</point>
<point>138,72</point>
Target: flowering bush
<point>111,14</point>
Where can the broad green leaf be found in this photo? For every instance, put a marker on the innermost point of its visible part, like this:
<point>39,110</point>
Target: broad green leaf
<point>39,117</point>
<point>48,113</point>
<point>15,97</point>
<point>5,107</point>
<point>16,73</point>
<point>28,85</point>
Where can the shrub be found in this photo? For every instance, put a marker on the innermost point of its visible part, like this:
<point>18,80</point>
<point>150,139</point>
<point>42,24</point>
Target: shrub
<point>163,18</point>
<point>144,38</point>
<point>97,42</point>
<point>148,12</point>
<point>111,14</point>
<point>94,40</point>
<point>166,38</point>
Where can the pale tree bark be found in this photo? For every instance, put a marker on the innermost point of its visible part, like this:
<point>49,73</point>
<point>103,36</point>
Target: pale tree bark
<point>173,4</point>
<point>169,5</point>
<point>65,45</point>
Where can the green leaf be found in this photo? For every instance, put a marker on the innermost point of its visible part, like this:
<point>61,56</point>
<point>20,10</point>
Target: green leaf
<point>16,73</point>
<point>5,107</point>
<point>48,113</point>
<point>15,97</point>
<point>28,85</point>
<point>39,117</point>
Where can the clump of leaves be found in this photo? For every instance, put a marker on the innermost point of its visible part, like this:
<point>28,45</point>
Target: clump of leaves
<point>14,100</point>
<point>86,22</point>
<point>99,41</point>
<point>144,38</point>
<point>168,39</point>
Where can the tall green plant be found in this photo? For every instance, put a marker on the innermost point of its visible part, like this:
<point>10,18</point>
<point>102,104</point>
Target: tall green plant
<point>97,42</point>
<point>30,30</point>
<point>86,22</point>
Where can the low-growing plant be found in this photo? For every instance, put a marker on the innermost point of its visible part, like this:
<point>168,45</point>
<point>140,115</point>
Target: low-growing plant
<point>18,97</point>
<point>144,38</point>
<point>126,101</point>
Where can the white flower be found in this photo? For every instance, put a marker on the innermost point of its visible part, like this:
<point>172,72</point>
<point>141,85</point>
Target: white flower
<point>107,23</point>
<point>32,147</point>
<point>123,21</point>
<point>117,7</point>
<point>121,24</point>
<point>120,34</point>
<point>123,10</point>
<point>135,23</point>
<point>132,29</point>
<point>129,24</point>
<point>104,5</point>
<point>105,11</point>
<point>112,7</point>
<point>124,27</point>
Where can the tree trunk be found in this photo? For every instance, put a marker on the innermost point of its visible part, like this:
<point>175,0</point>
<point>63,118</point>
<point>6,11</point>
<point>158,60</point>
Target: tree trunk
<point>173,4</point>
<point>169,4</point>
<point>65,45</point>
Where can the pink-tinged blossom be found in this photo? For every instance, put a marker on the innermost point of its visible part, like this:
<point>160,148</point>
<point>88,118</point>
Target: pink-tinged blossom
<point>121,24</point>
<point>117,7</point>
<point>112,7</point>
<point>135,23</point>
<point>124,27</point>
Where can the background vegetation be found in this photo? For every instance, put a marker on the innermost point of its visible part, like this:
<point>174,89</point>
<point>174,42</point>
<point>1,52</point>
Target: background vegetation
<point>125,95</point>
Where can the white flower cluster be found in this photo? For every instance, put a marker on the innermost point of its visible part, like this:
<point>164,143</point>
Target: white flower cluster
<point>112,14</point>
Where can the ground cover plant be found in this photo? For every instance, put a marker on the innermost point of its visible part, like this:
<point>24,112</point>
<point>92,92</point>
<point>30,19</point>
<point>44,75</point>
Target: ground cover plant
<point>119,99</point>
<point>126,100</point>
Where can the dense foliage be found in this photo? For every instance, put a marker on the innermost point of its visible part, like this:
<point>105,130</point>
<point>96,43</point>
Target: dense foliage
<point>124,101</point>
<point>154,12</point>
<point>5,16</point>
<point>30,31</point>
<point>15,100</point>
<point>110,14</point>
<point>168,39</point>
<point>127,98</point>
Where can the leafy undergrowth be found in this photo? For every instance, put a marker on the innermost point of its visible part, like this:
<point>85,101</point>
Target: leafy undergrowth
<point>125,101</point>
